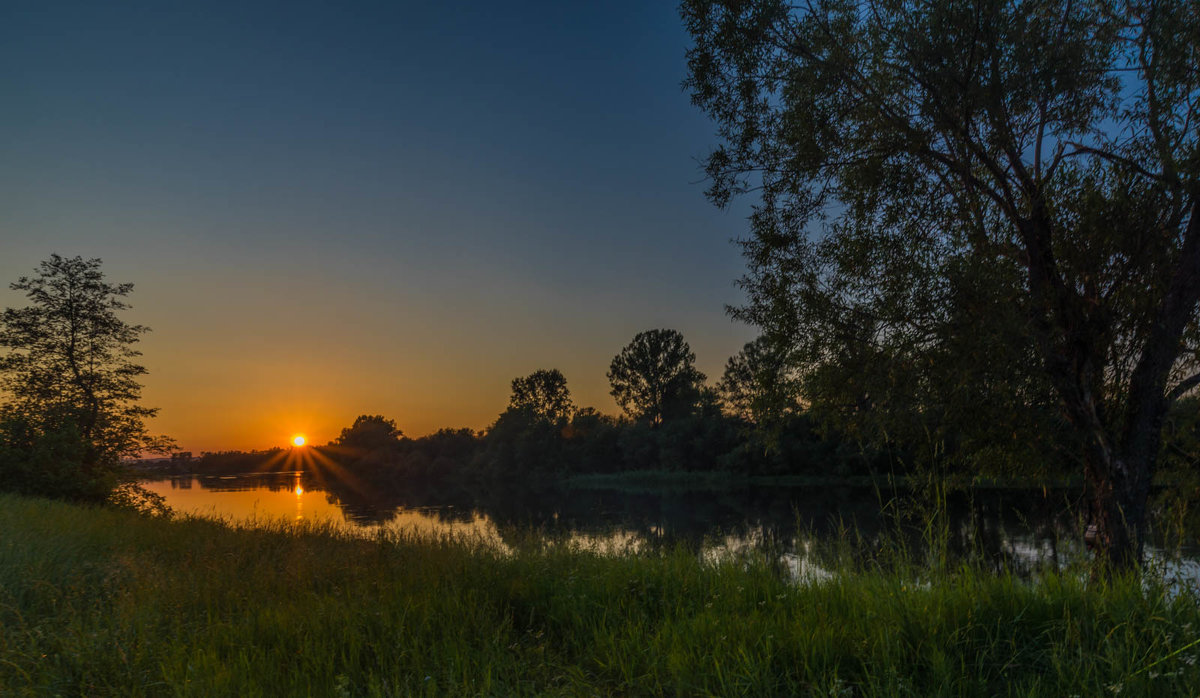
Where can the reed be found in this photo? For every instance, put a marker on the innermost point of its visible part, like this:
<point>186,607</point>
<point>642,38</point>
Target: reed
<point>98,601</point>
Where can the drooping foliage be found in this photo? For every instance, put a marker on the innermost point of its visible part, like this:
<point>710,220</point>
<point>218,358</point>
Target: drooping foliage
<point>972,213</point>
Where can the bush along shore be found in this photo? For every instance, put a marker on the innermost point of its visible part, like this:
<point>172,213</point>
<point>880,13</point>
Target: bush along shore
<point>99,601</point>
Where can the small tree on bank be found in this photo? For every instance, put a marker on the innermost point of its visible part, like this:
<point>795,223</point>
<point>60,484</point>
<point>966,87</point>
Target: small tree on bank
<point>543,393</point>
<point>758,384</point>
<point>654,379</point>
<point>370,432</point>
<point>71,385</point>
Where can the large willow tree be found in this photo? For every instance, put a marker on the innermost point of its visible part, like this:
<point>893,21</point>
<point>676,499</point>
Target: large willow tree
<point>933,174</point>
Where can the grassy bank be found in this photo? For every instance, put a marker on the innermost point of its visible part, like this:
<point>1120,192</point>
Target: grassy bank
<point>100,602</point>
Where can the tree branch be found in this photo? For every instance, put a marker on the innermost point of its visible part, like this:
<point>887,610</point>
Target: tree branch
<point>1149,377</point>
<point>1183,387</point>
<point>1081,149</point>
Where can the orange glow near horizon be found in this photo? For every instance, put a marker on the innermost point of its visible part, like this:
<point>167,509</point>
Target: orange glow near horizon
<point>222,390</point>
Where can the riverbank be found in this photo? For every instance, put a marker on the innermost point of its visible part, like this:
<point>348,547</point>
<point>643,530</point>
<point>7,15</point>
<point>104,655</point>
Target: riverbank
<point>685,480</point>
<point>103,602</point>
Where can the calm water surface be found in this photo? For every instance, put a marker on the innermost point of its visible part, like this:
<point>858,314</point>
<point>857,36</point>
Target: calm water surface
<point>800,526</point>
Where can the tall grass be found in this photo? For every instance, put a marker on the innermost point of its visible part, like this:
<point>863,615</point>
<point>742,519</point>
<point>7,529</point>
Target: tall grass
<point>103,602</point>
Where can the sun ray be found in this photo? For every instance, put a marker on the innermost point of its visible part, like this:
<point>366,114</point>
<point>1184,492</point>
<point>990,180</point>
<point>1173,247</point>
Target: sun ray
<point>279,457</point>
<point>323,462</point>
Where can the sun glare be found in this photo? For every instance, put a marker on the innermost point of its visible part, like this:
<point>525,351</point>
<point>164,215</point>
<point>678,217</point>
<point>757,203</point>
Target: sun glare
<point>298,441</point>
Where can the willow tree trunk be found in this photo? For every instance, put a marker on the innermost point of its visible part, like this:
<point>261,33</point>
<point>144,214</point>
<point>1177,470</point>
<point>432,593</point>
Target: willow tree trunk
<point>1121,437</point>
<point>1118,493</point>
<point>1119,465</point>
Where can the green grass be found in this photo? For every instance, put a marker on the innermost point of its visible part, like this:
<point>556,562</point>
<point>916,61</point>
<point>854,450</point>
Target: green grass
<point>103,602</point>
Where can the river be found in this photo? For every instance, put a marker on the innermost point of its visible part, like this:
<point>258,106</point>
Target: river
<point>1022,530</point>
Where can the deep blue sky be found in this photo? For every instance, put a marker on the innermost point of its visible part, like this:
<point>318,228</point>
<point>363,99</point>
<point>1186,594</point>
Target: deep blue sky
<point>390,208</point>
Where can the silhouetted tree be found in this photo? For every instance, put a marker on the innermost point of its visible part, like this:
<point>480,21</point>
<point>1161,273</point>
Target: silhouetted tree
<point>370,433</point>
<point>654,379</point>
<point>967,394</point>
<point>72,384</point>
<point>1052,146</point>
<point>544,394</point>
<point>759,384</point>
<point>526,440</point>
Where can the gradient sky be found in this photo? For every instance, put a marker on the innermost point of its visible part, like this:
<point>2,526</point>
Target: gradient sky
<point>388,208</point>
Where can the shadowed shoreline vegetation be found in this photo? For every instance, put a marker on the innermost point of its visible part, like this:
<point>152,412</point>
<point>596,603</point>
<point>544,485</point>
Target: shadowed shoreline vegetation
<point>64,433</point>
<point>97,601</point>
<point>706,450</point>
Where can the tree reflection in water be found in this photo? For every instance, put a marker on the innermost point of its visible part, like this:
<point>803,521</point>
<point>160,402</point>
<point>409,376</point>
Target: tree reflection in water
<point>802,528</point>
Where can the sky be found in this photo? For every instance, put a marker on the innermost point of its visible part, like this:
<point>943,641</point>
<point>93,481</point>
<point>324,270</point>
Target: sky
<point>338,209</point>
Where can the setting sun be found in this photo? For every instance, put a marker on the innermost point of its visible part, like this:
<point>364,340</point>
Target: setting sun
<point>298,441</point>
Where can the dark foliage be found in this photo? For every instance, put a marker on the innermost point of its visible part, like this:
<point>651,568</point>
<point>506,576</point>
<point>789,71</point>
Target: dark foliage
<point>71,384</point>
<point>654,378</point>
<point>970,215</point>
<point>544,393</point>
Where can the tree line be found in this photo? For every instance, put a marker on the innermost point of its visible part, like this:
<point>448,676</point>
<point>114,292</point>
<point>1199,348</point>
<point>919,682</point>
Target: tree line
<point>671,420</point>
<point>73,414</point>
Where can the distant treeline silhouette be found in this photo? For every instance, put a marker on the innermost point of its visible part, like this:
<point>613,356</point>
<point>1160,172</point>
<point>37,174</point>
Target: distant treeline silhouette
<point>521,445</point>
<point>751,423</point>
